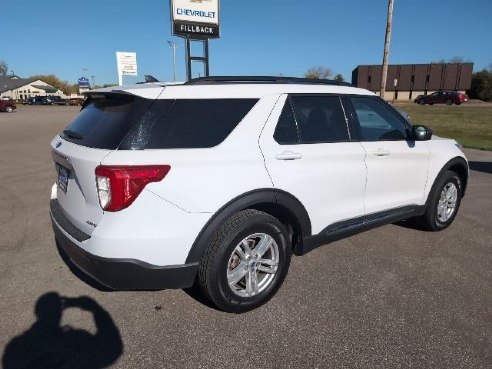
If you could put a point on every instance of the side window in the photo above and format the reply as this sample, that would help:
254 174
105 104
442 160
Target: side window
320 119
286 130
377 122
200 123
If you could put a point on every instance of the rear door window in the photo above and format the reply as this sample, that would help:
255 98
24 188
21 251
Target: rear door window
309 119
286 131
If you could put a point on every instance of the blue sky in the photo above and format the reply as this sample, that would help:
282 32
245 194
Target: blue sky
258 37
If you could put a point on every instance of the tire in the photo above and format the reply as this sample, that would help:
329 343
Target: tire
230 265
9 109
421 102
445 196
449 102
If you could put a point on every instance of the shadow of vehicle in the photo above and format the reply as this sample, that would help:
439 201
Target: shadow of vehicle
481 166
47 344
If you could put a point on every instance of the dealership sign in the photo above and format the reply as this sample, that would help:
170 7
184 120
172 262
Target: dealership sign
127 65
84 82
195 18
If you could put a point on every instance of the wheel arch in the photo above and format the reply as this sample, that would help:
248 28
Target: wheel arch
458 165
282 205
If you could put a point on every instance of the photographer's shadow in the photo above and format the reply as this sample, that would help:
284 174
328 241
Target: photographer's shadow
48 345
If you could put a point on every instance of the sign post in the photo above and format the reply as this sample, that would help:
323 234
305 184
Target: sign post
195 20
127 65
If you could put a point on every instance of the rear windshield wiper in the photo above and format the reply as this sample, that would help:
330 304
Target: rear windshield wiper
72 134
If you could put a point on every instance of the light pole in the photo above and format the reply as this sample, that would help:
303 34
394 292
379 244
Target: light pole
174 46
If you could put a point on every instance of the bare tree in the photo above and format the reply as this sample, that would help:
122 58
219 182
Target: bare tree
318 73
457 59
3 68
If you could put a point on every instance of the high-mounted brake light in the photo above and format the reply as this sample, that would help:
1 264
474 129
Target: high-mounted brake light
119 186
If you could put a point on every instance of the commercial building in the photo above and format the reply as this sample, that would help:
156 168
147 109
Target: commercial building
16 88
407 81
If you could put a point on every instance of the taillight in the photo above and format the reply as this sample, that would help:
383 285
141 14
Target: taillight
119 186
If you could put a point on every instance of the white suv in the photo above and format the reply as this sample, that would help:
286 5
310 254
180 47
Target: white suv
219 180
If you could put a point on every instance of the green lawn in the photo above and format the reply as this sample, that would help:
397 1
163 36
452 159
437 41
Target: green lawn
469 124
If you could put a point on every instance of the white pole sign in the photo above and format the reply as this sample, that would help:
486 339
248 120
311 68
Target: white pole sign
127 65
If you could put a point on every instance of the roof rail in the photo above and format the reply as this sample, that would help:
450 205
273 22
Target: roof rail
262 80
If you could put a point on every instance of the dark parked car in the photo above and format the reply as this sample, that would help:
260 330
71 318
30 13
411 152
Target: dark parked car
57 100
39 100
442 97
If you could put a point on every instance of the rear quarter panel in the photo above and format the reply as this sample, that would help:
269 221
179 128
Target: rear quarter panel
203 180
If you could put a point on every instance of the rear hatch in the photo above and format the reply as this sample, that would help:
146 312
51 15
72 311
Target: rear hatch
103 123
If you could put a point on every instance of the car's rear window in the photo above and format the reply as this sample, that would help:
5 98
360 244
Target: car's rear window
132 123
104 122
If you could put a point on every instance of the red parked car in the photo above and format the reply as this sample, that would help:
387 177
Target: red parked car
442 97
7 106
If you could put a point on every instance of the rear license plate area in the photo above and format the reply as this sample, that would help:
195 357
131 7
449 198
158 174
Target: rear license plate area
62 180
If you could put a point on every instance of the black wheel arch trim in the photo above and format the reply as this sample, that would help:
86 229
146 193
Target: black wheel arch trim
457 162
250 200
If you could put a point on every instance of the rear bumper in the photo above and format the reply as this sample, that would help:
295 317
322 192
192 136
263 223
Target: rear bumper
118 274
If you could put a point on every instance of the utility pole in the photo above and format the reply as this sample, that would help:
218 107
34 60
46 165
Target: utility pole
174 46
387 38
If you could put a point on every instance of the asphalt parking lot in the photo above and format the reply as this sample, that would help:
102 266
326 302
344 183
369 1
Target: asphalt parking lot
392 297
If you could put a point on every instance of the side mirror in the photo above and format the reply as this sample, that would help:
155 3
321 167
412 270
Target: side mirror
421 133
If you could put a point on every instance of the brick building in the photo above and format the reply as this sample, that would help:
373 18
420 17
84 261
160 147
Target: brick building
407 81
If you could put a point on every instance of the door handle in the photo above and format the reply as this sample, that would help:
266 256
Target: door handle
382 152
288 155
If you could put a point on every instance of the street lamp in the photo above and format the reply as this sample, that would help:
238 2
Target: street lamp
174 46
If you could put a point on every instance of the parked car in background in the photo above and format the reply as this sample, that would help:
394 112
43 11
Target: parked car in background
76 101
442 97
7 106
57 100
39 100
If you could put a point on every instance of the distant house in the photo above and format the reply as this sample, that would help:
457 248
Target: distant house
406 81
17 88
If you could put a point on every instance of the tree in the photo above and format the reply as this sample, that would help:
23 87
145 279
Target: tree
454 59
318 73
481 86
457 59
3 68
339 78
